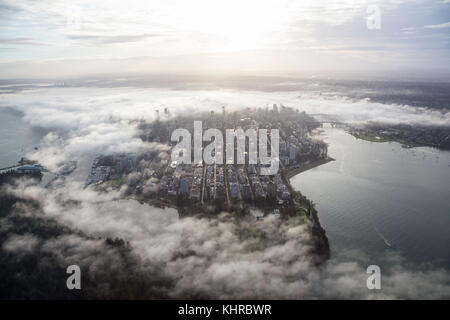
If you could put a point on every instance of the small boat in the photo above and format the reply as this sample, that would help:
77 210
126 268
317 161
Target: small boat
383 237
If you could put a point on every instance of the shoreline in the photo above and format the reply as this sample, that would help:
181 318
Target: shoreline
293 172
321 242
408 138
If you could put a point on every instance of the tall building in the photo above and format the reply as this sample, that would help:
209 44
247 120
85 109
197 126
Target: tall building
272 190
234 190
292 153
184 186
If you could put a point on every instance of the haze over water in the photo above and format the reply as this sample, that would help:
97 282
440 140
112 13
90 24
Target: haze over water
17 137
379 198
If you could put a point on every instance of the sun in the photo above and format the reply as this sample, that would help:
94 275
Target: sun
235 25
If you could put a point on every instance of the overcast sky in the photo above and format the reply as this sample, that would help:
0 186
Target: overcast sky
284 37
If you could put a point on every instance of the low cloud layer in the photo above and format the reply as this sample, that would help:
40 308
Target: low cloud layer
196 257
190 257
219 257
79 108
81 122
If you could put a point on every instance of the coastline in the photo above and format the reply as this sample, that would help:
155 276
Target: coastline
321 242
408 138
321 247
295 171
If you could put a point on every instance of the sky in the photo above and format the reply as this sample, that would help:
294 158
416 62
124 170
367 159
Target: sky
55 39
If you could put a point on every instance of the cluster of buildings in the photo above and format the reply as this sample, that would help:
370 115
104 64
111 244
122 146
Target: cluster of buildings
105 167
222 182
266 187
297 148
238 183
30 168
227 182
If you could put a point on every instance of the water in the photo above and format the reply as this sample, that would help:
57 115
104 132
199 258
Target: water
380 197
16 137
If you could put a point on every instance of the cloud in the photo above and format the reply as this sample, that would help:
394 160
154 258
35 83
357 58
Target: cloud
26 243
221 257
288 33
22 41
347 280
79 122
438 26
78 127
104 39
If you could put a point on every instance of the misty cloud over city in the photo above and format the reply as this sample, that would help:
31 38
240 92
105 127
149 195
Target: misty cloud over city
193 257
202 257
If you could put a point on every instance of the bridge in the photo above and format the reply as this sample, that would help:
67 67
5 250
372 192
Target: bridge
326 118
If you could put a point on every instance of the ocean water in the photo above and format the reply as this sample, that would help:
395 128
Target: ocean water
17 137
378 198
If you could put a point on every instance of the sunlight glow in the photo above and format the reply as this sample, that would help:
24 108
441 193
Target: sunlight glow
236 25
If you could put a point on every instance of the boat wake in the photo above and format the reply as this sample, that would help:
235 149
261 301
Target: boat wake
382 237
